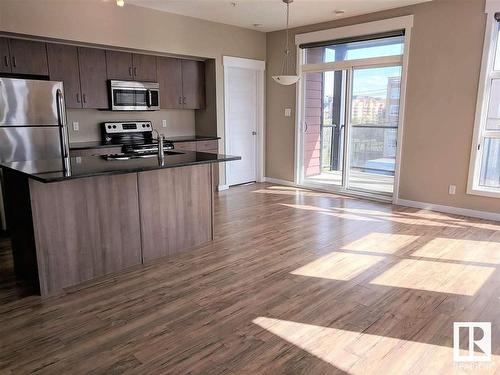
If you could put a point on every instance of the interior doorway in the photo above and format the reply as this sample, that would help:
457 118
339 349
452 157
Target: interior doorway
244 110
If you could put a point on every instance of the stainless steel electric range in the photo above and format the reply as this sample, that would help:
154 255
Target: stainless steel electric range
136 138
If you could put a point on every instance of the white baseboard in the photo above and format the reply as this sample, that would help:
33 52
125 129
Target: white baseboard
449 209
222 187
486 215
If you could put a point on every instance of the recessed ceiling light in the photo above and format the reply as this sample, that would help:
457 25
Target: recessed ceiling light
120 3
339 11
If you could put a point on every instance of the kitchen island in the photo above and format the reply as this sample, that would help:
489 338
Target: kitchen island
94 216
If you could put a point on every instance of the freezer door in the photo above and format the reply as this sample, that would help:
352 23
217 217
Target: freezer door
25 102
30 143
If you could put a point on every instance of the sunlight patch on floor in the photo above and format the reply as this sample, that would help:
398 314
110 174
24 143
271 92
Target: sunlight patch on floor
387 243
338 266
461 250
328 212
439 277
362 353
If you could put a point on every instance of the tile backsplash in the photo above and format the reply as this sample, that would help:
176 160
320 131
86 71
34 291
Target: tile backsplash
179 122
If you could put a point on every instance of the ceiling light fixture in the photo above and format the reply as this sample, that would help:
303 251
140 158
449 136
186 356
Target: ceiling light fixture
120 3
285 78
338 12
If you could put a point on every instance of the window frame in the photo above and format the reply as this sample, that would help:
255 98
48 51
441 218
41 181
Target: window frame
368 28
483 98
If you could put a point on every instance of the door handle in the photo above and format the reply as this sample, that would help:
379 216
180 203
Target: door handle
6 61
135 72
14 61
130 71
254 133
77 98
306 127
84 98
180 100
183 100
148 98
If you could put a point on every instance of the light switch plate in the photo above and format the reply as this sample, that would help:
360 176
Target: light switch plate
288 112
76 126
164 123
452 190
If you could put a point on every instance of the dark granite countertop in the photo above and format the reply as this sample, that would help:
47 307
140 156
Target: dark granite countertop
79 167
100 144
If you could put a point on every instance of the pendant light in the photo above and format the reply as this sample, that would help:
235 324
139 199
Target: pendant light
284 78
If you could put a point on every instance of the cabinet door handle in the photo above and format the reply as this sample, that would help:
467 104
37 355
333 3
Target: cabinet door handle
183 100
135 71
84 98
180 100
130 71
6 61
78 98
14 61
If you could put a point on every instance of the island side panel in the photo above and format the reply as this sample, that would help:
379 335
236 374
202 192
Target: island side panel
176 209
85 228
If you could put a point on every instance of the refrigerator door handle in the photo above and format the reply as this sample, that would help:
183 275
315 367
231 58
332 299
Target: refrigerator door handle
61 116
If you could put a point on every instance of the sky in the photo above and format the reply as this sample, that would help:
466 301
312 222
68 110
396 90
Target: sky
368 81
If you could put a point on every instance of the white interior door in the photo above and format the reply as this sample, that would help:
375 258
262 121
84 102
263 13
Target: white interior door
241 123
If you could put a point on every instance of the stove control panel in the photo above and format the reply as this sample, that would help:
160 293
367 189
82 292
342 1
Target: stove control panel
127 127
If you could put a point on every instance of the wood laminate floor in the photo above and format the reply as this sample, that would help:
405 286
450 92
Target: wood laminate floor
296 282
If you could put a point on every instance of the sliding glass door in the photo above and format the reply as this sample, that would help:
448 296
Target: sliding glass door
350 128
373 129
324 127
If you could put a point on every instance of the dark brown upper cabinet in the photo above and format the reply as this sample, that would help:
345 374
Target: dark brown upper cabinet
193 84
63 66
170 80
182 83
119 65
5 56
28 57
83 73
144 67
93 78
131 66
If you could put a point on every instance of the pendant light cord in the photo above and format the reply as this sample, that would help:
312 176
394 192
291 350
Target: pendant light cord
284 63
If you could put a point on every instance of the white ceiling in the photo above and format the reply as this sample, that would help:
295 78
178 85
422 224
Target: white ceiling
270 14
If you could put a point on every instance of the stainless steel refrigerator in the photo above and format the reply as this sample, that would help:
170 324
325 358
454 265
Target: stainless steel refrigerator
32 122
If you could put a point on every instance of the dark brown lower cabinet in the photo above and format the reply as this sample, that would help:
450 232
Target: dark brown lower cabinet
68 232
176 209
84 228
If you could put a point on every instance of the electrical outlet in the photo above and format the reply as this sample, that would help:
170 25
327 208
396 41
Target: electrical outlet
452 190
288 112
76 126
164 123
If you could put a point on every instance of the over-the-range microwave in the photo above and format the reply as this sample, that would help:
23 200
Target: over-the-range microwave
134 96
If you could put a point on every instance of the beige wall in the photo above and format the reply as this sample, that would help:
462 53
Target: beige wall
179 122
443 75
102 22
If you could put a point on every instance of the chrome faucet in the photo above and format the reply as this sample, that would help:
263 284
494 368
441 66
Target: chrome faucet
161 152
